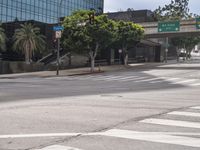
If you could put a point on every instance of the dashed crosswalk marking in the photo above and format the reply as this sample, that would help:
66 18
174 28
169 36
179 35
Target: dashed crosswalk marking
197 107
168 122
58 147
184 81
154 137
181 113
135 79
196 84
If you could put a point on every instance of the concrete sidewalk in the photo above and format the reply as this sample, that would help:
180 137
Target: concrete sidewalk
86 70
70 72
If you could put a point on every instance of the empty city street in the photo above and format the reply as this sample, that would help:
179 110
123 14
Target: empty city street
149 107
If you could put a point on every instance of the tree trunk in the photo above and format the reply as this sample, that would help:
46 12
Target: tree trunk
27 56
93 55
92 64
125 54
126 59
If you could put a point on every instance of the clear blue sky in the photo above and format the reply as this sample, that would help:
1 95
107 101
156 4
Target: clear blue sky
116 5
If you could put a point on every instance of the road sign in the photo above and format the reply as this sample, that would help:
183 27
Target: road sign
58 34
198 23
58 28
171 26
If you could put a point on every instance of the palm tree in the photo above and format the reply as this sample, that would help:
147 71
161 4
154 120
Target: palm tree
2 39
28 39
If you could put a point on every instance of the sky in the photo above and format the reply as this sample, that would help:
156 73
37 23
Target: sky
117 5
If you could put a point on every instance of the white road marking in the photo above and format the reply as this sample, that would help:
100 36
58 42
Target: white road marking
196 84
58 147
105 78
197 107
159 80
152 79
167 122
184 81
172 79
39 135
180 113
133 79
154 137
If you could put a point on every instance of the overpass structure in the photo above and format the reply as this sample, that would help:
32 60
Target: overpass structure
187 27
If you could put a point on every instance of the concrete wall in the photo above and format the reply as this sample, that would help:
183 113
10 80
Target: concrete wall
19 67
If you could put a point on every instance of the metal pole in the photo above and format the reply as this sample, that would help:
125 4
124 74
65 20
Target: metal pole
166 50
58 51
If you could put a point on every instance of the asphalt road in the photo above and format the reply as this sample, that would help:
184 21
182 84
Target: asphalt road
152 108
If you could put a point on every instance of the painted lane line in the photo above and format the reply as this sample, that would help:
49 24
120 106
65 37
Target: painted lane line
152 79
172 79
133 79
159 81
154 137
197 107
167 122
105 78
196 84
58 147
113 78
180 113
39 135
184 81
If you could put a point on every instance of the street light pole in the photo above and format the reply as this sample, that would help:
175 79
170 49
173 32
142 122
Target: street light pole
166 49
58 51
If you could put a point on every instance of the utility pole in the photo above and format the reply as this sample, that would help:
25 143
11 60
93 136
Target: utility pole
58 51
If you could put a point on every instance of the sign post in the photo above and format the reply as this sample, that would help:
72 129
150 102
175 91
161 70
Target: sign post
170 26
58 35
198 23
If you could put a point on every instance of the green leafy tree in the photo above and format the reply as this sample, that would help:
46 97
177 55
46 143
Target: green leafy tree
2 39
186 43
28 39
178 10
127 34
87 34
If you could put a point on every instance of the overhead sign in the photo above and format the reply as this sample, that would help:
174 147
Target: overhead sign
58 34
198 23
58 28
171 26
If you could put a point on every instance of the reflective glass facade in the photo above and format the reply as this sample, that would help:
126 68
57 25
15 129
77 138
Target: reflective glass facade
43 10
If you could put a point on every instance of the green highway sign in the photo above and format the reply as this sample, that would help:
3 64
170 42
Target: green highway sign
170 26
198 23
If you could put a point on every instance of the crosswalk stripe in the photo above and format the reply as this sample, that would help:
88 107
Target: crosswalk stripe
151 79
172 79
58 147
195 84
184 81
180 113
158 81
197 107
133 79
105 78
154 137
167 122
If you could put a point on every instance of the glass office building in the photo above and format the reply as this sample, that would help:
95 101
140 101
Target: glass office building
43 10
